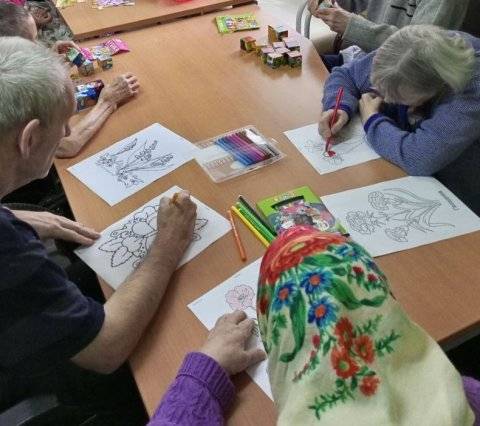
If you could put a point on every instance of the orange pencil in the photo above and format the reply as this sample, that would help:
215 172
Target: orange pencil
238 241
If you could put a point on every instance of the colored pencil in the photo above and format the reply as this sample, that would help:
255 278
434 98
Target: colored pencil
254 222
238 241
334 118
246 204
249 226
235 154
264 152
249 148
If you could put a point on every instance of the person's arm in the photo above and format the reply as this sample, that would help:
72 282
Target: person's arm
439 140
132 306
202 391
369 35
122 88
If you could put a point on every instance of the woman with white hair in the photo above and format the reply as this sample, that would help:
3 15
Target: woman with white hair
419 100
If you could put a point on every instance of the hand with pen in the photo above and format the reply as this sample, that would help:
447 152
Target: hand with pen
324 128
175 223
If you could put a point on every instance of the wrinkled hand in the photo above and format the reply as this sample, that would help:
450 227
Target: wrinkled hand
335 17
122 88
226 343
50 225
62 46
176 222
324 123
368 105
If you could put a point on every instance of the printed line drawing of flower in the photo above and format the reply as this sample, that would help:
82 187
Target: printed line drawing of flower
132 241
128 161
363 222
241 297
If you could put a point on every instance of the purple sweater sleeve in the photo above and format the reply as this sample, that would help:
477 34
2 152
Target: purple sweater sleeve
472 391
200 394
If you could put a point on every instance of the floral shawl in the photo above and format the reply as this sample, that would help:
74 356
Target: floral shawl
341 349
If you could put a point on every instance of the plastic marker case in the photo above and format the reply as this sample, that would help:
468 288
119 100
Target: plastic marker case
235 153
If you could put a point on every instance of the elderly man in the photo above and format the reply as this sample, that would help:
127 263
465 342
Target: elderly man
44 319
17 21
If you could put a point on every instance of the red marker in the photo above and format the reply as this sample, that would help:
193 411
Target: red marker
332 122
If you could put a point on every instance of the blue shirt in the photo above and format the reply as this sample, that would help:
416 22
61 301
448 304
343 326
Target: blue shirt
44 318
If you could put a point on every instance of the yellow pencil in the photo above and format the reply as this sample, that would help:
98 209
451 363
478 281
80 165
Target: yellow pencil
250 226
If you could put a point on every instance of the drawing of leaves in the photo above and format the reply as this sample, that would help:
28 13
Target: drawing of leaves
121 255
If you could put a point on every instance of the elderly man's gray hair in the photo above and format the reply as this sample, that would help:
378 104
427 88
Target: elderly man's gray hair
13 20
425 59
33 84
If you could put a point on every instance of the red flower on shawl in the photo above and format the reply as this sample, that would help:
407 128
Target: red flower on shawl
263 305
364 348
344 366
358 270
316 340
291 247
344 332
372 278
369 385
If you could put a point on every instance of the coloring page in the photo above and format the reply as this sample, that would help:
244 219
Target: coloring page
239 292
352 147
133 163
401 214
123 245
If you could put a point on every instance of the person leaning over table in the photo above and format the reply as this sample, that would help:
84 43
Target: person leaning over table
419 100
45 321
17 21
339 346
382 19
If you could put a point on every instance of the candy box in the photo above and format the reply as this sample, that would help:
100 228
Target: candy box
75 57
294 59
247 44
86 95
259 45
277 33
105 62
292 44
86 68
265 52
115 45
278 44
283 51
274 60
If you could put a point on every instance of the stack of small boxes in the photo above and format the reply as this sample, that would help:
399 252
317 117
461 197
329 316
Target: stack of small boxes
280 49
84 65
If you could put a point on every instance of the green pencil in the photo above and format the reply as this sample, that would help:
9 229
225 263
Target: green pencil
255 223
244 202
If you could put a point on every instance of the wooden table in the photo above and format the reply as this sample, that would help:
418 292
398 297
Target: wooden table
206 87
86 21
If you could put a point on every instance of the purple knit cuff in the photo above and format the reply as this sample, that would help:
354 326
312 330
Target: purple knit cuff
206 370
343 107
370 120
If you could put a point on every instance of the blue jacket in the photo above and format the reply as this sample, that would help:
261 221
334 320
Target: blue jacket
445 143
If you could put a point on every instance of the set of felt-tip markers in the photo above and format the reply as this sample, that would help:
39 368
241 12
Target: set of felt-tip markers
235 153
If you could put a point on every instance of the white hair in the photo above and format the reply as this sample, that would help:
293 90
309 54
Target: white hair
33 84
425 59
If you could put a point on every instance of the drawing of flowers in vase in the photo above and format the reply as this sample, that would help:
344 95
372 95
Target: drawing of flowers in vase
131 160
398 212
131 242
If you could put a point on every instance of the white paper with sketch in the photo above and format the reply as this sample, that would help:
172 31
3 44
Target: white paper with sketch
401 214
123 245
239 292
352 147
133 163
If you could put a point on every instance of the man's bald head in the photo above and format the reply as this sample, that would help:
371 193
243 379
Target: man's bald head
15 21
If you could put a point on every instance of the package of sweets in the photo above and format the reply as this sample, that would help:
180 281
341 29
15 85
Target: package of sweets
115 45
75 57
87 53
86 95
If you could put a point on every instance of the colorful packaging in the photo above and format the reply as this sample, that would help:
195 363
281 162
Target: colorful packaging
86 95
105 62
298 207
247 44
294 59
115 45
277 33
86 68
274 60
75 57
292 44
231 23
265 52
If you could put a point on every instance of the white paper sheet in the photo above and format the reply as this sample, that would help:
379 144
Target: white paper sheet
133 163
352 148
239 292
401 214
124 244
